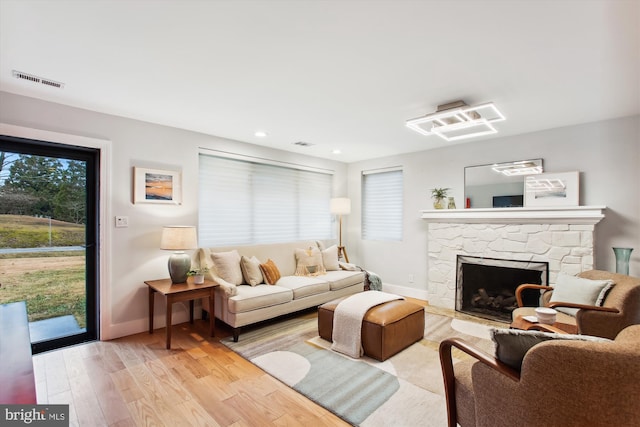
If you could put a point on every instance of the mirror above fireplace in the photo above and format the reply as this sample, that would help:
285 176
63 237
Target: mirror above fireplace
498 185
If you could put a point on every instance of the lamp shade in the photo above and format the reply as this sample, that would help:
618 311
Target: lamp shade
178 238
340 206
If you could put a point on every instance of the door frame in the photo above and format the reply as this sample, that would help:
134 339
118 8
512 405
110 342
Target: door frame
104 194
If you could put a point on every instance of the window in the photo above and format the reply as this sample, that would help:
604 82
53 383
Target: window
244 202
382 205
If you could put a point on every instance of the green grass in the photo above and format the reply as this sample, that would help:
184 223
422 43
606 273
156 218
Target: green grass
21 231
50 288
48 293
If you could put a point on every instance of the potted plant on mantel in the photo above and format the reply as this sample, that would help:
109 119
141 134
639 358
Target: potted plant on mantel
198 275
438 195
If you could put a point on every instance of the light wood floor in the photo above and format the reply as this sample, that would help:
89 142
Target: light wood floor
135 381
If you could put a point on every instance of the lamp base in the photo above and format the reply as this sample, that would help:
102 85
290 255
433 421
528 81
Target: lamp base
179 266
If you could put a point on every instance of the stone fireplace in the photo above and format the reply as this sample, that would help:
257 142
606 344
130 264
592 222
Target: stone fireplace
559 236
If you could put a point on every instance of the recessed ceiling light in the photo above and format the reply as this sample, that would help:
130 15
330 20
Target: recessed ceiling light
336 151
260 134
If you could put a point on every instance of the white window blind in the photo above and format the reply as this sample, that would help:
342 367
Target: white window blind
382 205
243 202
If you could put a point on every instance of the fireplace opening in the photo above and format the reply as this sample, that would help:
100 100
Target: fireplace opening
485 287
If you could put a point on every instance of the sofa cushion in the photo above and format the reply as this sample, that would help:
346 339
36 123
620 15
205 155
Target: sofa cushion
250 298
343 279
579 291
304 286
330 258
270 272
227 265
309 262
251 270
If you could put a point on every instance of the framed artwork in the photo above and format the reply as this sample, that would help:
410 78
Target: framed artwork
552 189
157 186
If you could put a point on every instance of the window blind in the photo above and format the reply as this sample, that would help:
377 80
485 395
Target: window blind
382 199
246 202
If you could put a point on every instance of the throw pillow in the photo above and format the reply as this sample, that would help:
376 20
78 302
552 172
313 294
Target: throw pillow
251 270
309 262
513 344
579 291
270 272
228 266
330 258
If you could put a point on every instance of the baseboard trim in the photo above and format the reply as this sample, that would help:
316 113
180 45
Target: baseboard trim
405 291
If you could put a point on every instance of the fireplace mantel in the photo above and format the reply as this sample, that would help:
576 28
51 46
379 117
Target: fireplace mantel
538 215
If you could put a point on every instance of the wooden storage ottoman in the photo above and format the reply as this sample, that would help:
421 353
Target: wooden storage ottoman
386 328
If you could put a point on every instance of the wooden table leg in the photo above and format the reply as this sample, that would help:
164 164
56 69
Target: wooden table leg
169 309
212 313
151 295
191 311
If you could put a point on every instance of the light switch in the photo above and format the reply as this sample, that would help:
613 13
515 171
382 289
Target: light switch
122 221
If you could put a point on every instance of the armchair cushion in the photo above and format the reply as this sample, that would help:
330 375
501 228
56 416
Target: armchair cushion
580 291
513 344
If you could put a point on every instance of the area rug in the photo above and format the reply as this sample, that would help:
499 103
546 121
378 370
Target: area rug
405 390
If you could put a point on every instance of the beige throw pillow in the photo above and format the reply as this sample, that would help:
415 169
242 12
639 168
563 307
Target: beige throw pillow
309 262
228 266
330 258
251 270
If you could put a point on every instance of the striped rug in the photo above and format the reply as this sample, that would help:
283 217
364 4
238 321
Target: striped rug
405 390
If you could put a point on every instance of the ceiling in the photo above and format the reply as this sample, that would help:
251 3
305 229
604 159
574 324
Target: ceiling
337 74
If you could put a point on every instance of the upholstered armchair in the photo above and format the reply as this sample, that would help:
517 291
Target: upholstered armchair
560 383
620 308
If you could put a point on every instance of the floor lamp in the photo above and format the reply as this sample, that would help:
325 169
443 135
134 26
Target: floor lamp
341 206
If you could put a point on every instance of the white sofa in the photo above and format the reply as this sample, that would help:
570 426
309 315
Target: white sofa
243 304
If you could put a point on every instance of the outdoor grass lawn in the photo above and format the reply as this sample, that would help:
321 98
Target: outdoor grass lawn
22 231
55 288
52 283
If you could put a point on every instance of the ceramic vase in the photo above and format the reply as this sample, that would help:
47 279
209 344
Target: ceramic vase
622 260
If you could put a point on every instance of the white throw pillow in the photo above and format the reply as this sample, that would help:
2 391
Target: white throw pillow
579 291
330 258
251 270
228 266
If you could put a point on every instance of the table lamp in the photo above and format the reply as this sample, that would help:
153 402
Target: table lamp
179 238
341 206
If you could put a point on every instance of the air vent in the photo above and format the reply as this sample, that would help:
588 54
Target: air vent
303 144
36 79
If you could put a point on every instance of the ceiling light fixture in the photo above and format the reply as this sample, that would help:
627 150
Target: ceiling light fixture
545 184
525 167
456 120
336 151
260 134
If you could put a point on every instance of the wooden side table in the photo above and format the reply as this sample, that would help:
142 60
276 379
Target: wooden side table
176 292
525 325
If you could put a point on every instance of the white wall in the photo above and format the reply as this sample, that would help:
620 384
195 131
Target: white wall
134 254
606 153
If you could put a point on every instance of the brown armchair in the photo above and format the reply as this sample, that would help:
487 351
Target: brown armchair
561 383
620 309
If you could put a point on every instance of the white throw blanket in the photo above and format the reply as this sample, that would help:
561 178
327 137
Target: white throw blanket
347 320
